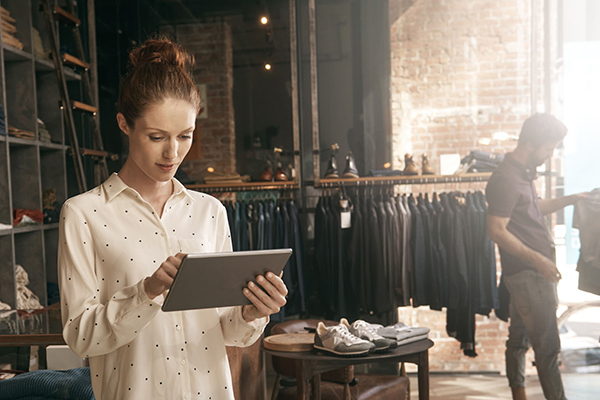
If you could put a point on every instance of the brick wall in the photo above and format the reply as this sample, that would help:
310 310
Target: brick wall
460 72
211 44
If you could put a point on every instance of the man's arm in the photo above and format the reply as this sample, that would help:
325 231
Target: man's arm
498 233
553 205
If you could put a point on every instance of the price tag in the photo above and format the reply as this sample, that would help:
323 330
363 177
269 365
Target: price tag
346 219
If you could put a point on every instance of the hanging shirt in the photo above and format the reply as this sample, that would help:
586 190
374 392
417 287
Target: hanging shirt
111 239
586 216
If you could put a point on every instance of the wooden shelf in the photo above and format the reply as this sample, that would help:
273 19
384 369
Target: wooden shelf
244 186
32 340
405 180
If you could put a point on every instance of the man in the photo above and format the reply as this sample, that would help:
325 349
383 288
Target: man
516 223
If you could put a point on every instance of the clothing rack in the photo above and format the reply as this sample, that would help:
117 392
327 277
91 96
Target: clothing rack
404 180
244 187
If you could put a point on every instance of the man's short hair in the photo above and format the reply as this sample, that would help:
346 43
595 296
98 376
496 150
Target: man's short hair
542 128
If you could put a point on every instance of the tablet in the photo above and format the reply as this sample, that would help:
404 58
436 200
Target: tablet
212 280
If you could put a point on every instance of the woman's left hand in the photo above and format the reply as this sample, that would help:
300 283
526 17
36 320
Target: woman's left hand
264 302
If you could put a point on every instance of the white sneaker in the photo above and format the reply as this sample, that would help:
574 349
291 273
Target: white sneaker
367 331
339 341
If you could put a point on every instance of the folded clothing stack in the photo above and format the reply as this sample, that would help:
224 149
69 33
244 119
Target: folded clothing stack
2 121
402 333
38 47
9 29
43 132
20 133
480 161
22 217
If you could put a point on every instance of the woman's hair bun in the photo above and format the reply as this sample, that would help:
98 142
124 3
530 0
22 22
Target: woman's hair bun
161 49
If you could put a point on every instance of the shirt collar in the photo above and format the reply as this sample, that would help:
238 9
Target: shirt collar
114 186
525 171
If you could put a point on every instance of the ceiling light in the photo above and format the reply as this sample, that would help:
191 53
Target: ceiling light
264 20
210 169
268 67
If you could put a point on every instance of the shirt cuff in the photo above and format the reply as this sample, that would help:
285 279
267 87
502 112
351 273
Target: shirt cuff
144 298
257 324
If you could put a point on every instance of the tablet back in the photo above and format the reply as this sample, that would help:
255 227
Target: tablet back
217 279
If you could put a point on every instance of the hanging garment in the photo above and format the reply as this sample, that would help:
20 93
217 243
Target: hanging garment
587 215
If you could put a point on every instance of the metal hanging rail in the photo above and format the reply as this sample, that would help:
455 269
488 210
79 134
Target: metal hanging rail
244 187
405 180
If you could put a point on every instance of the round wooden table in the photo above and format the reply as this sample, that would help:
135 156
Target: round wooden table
311 364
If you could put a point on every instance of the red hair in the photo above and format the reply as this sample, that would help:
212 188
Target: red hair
157 70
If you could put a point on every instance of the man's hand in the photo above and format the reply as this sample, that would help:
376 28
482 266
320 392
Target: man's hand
582 196
162 278
264 302
548 269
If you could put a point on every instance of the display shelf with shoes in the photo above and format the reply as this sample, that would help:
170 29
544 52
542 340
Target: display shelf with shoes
410 168
427 169
350 171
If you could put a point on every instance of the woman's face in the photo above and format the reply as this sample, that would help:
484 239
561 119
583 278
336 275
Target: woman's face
161 138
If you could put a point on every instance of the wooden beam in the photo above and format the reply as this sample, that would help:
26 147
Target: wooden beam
77 105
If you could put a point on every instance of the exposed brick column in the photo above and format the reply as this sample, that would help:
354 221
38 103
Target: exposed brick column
212 47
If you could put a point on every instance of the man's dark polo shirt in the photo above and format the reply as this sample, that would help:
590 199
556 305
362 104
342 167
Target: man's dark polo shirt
511 194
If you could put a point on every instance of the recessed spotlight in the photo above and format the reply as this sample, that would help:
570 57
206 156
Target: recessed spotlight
268 67
264 20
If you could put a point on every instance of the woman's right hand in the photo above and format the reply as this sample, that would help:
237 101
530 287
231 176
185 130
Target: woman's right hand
162 278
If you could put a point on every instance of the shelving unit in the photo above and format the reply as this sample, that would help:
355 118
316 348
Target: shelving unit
29 91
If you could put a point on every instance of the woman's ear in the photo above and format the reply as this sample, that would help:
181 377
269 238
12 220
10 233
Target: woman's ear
123 123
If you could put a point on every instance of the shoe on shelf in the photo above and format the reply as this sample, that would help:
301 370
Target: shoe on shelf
266 175
427 170
339 341
281 176
409 165
367 331
332 171
350 171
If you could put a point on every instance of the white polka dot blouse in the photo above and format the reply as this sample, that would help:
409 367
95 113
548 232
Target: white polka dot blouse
110 241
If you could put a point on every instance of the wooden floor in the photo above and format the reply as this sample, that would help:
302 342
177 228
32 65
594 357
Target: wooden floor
492 387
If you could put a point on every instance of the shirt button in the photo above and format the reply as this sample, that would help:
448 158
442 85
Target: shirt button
182 362
177 327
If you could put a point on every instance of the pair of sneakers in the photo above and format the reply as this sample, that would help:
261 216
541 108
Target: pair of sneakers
354 339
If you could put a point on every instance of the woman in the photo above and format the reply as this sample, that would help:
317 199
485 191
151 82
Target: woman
122 242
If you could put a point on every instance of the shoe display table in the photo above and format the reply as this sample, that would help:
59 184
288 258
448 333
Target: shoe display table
311 364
